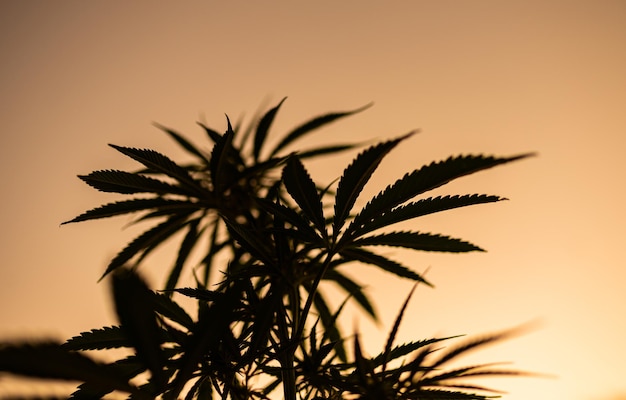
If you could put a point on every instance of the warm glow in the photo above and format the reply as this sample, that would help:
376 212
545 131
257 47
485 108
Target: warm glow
481 76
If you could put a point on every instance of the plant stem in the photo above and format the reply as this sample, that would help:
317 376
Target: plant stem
297 334
286 356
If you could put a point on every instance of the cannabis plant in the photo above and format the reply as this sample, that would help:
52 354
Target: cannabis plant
260 237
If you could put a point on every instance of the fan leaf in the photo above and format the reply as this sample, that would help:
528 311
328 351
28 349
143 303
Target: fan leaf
424 179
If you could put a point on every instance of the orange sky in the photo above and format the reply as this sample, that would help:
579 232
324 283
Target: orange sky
498 77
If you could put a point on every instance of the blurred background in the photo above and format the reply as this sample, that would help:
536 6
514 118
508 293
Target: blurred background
485 76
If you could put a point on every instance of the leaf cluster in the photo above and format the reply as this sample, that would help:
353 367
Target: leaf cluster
268 236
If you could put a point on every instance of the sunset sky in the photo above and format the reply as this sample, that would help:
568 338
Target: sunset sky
495 77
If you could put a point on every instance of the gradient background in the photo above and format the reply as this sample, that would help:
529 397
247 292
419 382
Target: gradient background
498 77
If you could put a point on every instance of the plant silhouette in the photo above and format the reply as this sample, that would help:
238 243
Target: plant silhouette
261 328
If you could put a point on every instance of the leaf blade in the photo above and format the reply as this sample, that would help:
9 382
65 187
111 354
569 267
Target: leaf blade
263 128
418 241
367 257
115 181
417 209
130 206
220 159
183 142
303 190
108 337
312 125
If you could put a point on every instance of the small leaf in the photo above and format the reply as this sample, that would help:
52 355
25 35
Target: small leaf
114 181
417 241
364 368
219 160
312 125
303 190
313 347
263 128
211 133
354 178
405 349
184 143
199 293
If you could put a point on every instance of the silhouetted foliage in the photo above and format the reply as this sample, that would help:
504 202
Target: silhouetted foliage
262 327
